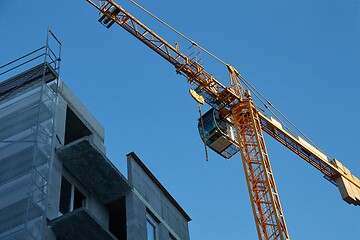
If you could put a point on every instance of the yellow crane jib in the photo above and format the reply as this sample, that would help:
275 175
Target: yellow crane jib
234 124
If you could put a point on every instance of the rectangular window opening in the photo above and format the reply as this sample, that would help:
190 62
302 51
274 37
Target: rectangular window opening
117 218
151 227
151 233
79 199
65 196
74 128
71 197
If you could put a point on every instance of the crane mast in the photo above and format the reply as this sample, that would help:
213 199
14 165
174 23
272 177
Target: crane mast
264 198
236 105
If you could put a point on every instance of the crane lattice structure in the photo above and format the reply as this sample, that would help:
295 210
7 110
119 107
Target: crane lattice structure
241 125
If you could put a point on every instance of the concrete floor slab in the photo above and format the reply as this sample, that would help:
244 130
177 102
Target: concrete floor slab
79 225
94 170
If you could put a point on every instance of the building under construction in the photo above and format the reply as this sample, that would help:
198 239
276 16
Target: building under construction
55 179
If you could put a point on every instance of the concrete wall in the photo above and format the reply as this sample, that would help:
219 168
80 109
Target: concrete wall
56 166
146 198
54 189
96 207
80 110
149 197
135 218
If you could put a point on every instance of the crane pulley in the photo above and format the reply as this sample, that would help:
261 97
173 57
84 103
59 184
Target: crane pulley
239 127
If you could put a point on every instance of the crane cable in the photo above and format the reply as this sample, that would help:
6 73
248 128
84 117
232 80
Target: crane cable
223 62
248 84
177 32
203 132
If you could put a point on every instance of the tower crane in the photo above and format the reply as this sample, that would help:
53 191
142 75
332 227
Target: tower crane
235 124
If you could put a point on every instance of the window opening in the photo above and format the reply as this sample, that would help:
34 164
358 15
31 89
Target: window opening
150 231
70 197
75 128
79 199
65 196
151 226
117 218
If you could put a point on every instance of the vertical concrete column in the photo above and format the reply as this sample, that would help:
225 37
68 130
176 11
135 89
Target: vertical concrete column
135 218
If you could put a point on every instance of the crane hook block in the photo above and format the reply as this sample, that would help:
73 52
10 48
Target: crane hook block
218 133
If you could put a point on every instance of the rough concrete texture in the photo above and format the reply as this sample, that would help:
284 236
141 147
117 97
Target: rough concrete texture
98 209
79 225
94 170
80 110
158 202
60 121
135 218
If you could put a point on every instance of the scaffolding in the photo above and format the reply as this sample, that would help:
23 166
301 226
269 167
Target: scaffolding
28 103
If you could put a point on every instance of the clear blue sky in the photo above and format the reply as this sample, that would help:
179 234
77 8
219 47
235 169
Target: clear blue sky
302 55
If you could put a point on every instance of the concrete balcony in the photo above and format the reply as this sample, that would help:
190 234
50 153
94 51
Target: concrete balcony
79 224
94 170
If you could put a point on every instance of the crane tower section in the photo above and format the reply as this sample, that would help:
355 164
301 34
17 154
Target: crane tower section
264 197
